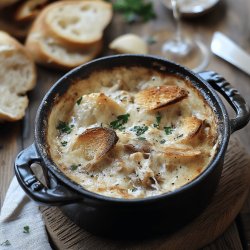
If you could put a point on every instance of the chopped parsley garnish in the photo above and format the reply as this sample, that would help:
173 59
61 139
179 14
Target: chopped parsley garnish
79 101
135 10
139 130
179 136
64 127
5 243
119 122
141 138
162 141
158 120
134 189
26 229
64 143
168 130
74 167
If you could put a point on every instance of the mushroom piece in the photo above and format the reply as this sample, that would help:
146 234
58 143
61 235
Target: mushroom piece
160 97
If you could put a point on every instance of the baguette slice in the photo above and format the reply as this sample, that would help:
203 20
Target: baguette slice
17 76
50 52
78 22
12 106
29 9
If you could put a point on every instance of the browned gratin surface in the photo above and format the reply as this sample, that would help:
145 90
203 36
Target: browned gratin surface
132 133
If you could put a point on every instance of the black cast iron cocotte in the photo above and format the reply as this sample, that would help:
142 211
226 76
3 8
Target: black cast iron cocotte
120 217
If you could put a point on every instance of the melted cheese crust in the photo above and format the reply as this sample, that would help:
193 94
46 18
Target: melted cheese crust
153 155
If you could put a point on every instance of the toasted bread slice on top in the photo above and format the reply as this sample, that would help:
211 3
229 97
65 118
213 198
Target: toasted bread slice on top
160 97
189 127
17 76
79 22
95 143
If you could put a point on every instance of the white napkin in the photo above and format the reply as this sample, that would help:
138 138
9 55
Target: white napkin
19 211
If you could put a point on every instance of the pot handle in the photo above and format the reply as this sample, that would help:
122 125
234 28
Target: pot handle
58 195
232 96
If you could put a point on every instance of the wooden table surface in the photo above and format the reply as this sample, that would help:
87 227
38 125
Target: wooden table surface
230 17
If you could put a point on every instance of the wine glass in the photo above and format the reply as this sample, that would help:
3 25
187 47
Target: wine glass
180 49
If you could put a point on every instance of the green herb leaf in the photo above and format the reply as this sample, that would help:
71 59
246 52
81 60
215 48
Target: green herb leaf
130 17
162 141
64 143
26 229
179 136
135 10
74 167
168 130
63 127
119 122
141 138
79 101
139 130
5 243
134 189
158 120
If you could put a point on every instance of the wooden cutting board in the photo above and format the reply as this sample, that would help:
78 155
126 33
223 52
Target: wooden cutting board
226 204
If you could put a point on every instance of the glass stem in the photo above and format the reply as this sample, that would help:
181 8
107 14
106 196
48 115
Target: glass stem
177 17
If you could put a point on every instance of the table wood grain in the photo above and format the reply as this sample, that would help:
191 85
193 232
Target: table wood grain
230 17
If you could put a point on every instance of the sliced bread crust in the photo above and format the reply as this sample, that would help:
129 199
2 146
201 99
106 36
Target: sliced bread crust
17 76
50 52
78 22
29 9
12 106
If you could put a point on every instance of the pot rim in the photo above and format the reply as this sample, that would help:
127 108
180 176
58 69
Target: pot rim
41 124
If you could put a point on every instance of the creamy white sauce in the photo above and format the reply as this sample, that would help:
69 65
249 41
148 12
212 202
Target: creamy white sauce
122 173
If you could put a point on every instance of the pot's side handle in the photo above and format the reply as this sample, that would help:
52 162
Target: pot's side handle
58 195
232 96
